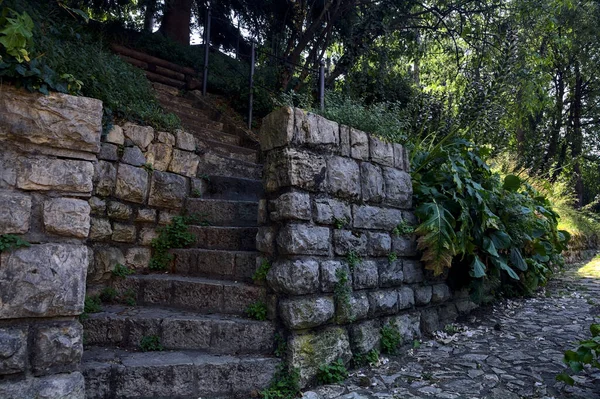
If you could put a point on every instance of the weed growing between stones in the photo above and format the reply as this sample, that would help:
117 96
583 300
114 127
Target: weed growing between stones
150 343
121 270
588 353
390 339
261 273
174 235
342 291
92 304
257 311
149 167
332 373
403 229
284 385
364 359
280 345
9 242
353 259
340 223
108 295
129 297
196 193
392 256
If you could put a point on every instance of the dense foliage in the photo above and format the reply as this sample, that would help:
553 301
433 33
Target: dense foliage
588 353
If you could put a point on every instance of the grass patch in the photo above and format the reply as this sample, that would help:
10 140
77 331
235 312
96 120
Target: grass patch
590 269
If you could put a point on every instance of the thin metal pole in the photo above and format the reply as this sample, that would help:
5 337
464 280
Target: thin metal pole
206 51
251 95
322 85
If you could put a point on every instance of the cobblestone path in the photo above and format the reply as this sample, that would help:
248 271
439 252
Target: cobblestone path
509 351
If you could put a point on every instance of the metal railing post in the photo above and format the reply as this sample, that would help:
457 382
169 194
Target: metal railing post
251 94
206 51
322 85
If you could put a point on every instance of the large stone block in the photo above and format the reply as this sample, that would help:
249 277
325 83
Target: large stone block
381 152
105 178
383 302
15 210
55 174
58 347
372 217
132 184
423 295
408 325
141 136
56 120
265 239
330 270
398 188
306 312
137 258
413 271
97 206
345 141
301 239
356 309
184 163
277 128
185 141
406 298
318 131
165 138
404 245
359 144
8 169
296 277
390 273
430 321
115 135
67 217
331 211
13 350
371 181
133 156
308 352
109 152
293 168
105 260
365 275
118 210
123 233
291 206
380 244
100 229
345 241
159 156
167 190
57 386
365 336
343 177
440 293
43 280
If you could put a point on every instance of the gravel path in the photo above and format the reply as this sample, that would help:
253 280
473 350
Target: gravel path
509 351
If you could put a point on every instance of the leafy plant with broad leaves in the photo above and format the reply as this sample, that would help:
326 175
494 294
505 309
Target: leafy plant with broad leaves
174 235
587 353
8 242
332 373
491 227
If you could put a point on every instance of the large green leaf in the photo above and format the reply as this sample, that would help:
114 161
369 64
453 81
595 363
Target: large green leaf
501 264
477 268
489 247
517 259
500 239
512 183
437 236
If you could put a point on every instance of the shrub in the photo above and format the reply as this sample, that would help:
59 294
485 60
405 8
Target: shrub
150 343
390 339
332 373
588 353
9 242
173 235
121 271
284 385
257 311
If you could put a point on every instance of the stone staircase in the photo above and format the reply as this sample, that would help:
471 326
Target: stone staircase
197 310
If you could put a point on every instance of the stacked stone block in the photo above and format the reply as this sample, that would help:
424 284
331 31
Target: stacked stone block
141 181
334 196
48 147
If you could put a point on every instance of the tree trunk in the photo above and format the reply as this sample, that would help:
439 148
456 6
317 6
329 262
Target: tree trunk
557 122
577 139
149 12
176 20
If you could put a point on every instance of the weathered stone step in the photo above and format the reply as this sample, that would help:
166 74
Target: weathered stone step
212 163
219 212
225 238
229 265
191 293
199 122
187 109
219 334
231 151
170 95
214 135
225 187
114 373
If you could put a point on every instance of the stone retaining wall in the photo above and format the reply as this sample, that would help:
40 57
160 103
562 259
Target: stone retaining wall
48 147
334 197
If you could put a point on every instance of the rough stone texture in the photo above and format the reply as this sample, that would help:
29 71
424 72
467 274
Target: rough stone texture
381 152
343 177
300 313
58 386
329 274
109 152
319 131
265 240
146 215
277 129
345 140
423 295
165 138
330 211
55 174
57 120
185 141
57 347
105 260
137 258
290 206
43 281
133 156
441 293
105 178
67 217
359 144
147 234
293 168
159 156
406 298
118 210
13 350
365 275
294 277
116 136
371 181
15 211
404 245
391 273
383 302
304 240
141 136
123 233
97 206
345 241
380 244
430 321
309 351
132 184
398 188
358 309
100 229
413 271
184 163
372 217
365 336
167 190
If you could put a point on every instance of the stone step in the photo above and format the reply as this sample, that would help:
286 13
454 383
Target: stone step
125 326
187 109
219 212
213 135
228 150
225 187
212 163
225 238
114 373
227 265
199 122
197 294
171 96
